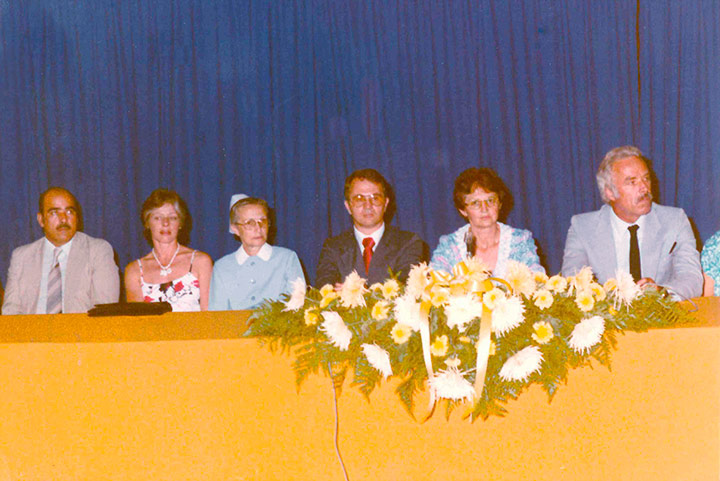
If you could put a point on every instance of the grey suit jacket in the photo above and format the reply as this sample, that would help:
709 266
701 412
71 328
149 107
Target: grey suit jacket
397 250
91 276
668 253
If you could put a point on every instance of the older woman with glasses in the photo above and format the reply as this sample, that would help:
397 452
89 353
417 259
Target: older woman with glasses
170 272
481 197
256 271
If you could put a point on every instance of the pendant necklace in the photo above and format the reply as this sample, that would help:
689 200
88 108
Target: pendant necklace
165 270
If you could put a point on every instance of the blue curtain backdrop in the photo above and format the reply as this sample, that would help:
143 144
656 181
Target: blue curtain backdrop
283 99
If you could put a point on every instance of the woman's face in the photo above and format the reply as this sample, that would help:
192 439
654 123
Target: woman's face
164 224
481 208
251 226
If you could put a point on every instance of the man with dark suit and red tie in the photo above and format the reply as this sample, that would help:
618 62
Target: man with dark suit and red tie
371 247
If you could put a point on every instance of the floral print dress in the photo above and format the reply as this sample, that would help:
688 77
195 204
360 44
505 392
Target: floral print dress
183 293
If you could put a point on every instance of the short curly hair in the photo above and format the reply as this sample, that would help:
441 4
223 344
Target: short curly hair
486 179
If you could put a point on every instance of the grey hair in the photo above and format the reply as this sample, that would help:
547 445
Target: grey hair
604 173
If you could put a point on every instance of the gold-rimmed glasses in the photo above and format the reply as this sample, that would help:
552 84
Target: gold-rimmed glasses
251 224
489 203
374 199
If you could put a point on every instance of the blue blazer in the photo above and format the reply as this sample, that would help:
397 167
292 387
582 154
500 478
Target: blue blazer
668 253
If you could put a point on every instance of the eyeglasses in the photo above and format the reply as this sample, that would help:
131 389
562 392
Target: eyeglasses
489 203
361 199
251 224
161 219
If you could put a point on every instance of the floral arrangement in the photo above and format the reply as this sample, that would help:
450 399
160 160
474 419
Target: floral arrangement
466 337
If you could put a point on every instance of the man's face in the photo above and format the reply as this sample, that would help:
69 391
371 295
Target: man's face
631 178
366 205
58 218
251 226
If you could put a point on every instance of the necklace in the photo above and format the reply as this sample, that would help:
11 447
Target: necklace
165 270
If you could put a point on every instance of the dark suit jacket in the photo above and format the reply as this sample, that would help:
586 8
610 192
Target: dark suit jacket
397 250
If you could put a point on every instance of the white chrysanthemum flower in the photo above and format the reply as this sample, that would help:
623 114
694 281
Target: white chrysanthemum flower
451 384
586 334
521 278
417 280
378 358
353 290
507 315
460 310
297 298
626 290
336 330
522 364
407 312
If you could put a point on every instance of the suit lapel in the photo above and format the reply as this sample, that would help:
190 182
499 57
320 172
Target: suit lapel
35 273
381 257
73 270
602 245
651 245
348 254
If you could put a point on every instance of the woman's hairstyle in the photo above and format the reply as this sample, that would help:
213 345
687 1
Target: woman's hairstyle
248 201
158 198
486 179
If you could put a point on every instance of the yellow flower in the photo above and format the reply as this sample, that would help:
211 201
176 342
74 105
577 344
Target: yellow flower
376 287
543 332
597 291
328 295
390 289
582 279
491 297
439 295
540 277
585 301
400 333
520 278
543 298
453 362
557 283
464 339
612 310
380 310
352 290
311 317
610 285
493 348
439 346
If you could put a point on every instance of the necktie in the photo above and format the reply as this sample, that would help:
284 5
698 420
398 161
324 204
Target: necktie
54 287
634 253
368 244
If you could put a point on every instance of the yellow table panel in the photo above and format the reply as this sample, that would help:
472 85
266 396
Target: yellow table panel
183 397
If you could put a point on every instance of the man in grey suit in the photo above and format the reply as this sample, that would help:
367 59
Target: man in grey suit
66 270
654 243
372 246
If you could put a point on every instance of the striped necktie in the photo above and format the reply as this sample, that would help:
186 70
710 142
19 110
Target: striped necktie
54 287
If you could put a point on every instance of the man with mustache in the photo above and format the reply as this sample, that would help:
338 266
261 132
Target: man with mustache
66 270
654 243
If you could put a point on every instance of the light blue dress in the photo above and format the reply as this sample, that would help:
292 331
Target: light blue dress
710 259
236 287
515 244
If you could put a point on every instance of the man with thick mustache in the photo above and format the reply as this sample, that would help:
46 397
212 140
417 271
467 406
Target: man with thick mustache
653 242
66 270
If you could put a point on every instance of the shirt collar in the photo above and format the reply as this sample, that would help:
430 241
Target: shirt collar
64 249
264 253
376 236
621 227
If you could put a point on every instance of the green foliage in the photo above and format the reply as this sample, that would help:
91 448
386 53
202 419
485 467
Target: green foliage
317 347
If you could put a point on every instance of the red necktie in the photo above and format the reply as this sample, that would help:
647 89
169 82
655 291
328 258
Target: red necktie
368 244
